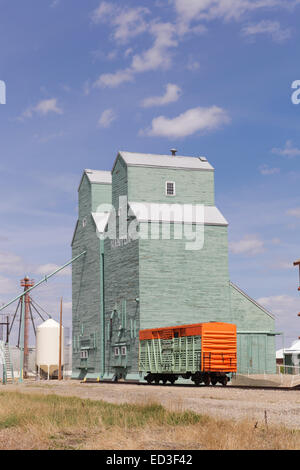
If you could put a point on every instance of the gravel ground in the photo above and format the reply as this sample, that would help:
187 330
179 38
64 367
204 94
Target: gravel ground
282 407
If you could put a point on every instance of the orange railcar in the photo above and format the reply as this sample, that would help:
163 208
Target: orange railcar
204 352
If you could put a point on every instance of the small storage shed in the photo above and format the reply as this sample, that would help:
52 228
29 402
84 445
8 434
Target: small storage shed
292 358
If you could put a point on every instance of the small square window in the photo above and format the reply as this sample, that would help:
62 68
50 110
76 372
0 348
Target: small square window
84 354
170 188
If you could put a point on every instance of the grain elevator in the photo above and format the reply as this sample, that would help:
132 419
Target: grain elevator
156 256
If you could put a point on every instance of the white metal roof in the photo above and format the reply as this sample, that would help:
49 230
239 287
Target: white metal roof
177 213
97 177
164 161
279 354
295 348
100 219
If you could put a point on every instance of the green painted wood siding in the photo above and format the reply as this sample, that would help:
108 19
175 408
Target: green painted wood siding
192 187
121 268
179 286
101 194
256 352
86 299
84 198
248 315
119 182
86 282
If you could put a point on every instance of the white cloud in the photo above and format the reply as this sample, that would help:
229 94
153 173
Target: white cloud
294 212
49 268
265 170
158 56
223 9
113 80
7 286
103 10
107 118
273 28
282 265
47 106
288 150
249 245
48 137
171 95
231 10
281 304
285 308
188 123
127 22
10 263
43 108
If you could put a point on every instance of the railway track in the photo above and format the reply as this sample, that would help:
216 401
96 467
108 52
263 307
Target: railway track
228 387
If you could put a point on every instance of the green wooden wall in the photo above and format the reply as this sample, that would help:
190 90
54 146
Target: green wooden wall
256 339
178 286
192 187
86 283
122 322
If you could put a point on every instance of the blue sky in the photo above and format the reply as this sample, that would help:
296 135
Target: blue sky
86 79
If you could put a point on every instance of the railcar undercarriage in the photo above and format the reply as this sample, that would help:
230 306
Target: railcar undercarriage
208 378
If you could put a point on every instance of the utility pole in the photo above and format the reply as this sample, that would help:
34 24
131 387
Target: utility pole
60 338
297 263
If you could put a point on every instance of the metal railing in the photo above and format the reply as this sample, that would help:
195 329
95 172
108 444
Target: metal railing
291 370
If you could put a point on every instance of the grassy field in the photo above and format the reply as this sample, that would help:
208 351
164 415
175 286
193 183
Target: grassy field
36 421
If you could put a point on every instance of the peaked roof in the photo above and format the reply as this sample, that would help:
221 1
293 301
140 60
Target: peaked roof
97 177
251 300
294 348
164 161
177 213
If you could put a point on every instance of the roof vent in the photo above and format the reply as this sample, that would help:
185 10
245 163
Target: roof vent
173 152
203 159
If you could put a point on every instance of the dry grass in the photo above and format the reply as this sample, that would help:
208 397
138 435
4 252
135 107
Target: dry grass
36 421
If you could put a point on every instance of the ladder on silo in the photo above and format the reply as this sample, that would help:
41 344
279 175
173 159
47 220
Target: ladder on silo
8 370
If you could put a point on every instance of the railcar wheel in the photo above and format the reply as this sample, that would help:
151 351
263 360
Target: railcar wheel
214 381
149 380
225 381
206 381
165 381
197 383
172 380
